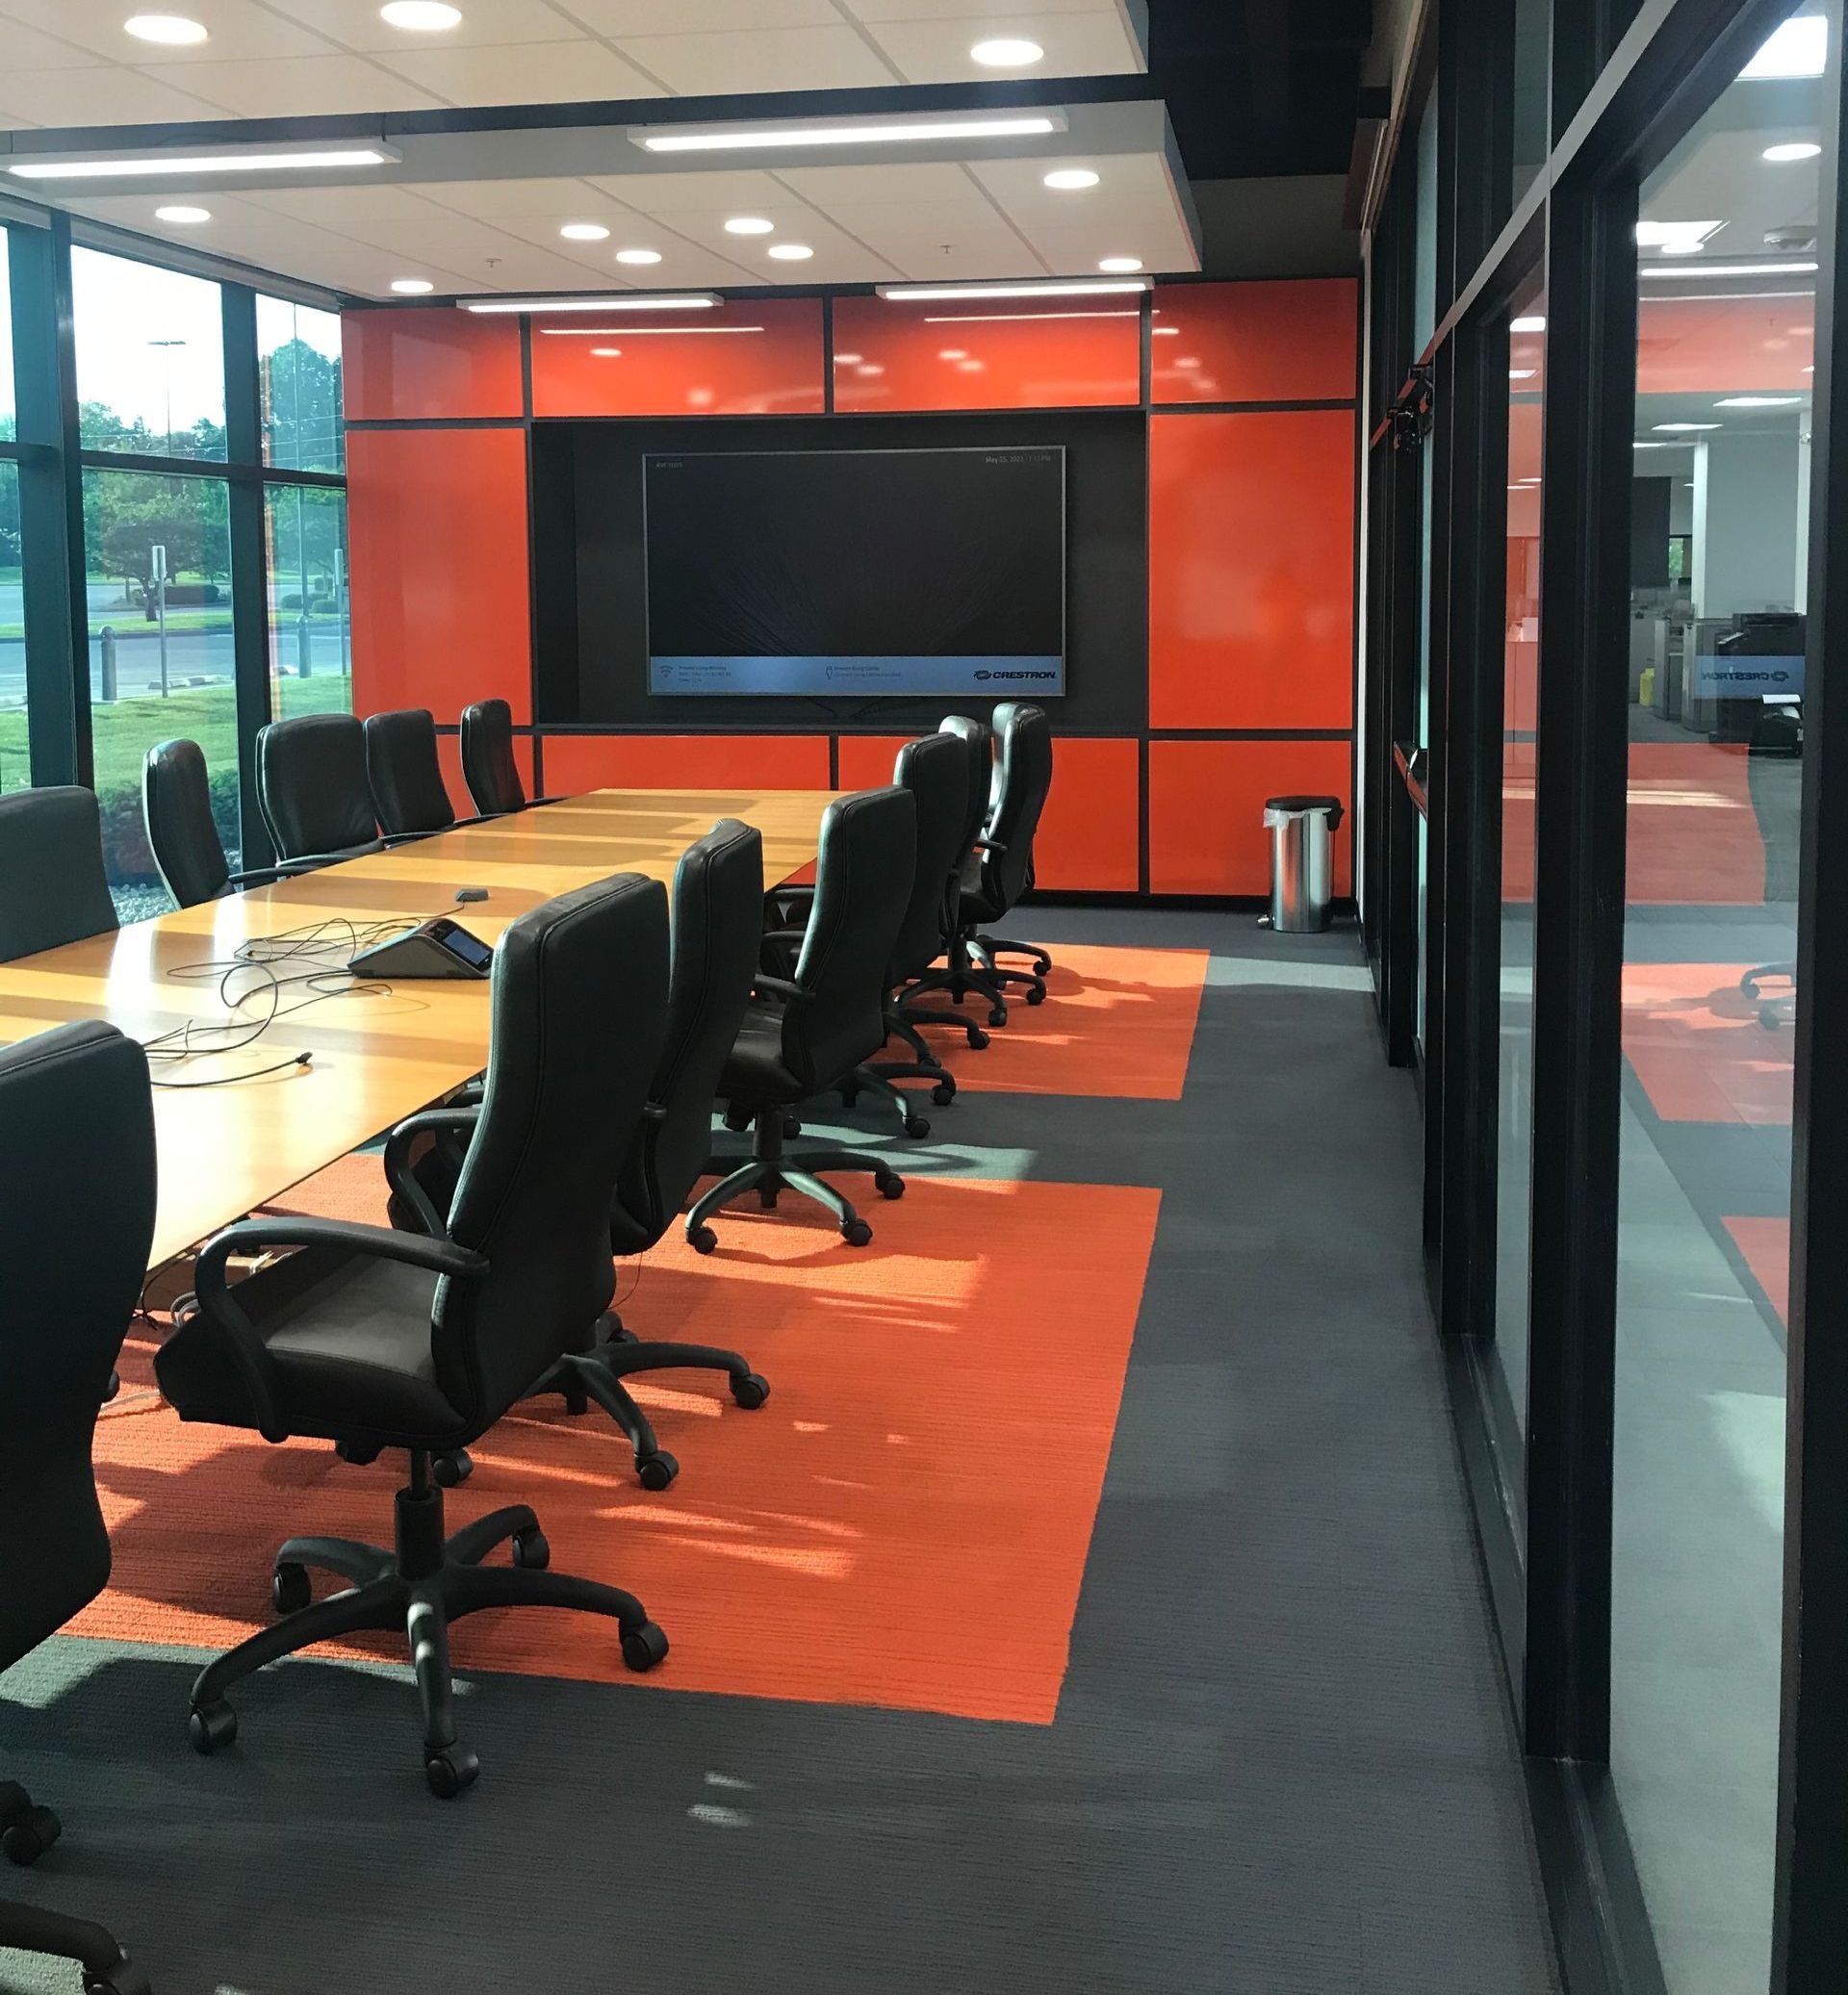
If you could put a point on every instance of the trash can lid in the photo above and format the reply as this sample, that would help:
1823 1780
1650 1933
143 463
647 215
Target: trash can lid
1298 806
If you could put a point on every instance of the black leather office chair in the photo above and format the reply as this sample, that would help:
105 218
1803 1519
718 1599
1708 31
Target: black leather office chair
1022 781
962 975
405 773
718 901
176 807
74 1237
313 791
53 884
376 1339
804 1035
488 766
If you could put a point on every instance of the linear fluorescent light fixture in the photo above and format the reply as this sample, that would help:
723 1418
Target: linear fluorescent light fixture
795 134
170 165
619 301
635 332
1046 288
1706 269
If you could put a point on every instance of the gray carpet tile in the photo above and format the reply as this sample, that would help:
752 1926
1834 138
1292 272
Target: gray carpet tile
1282 1761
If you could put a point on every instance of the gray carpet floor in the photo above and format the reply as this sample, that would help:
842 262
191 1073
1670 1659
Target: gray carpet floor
1282 1761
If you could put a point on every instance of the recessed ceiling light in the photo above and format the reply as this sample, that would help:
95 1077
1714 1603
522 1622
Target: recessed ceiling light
607 352
1787 155
1070 179
1758 401
791 252
170 30
860 131
1687 426
421 16
412 287
638 256
968 367
1120 266
1167 332
1187 360
869 367
1532 324
584 232
1799 47
848 359
1007 52
605 301
143 163
748 225
954 353
183 214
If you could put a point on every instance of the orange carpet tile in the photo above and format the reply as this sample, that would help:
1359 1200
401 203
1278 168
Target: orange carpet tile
1765 1245
904 1524
1115 1022
1697 1045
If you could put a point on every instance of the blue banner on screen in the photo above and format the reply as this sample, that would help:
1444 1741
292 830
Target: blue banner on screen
839 679
853 574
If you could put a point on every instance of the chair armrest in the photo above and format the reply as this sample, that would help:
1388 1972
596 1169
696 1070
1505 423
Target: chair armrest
986 844
780 986
261 876
217 1301
400 1175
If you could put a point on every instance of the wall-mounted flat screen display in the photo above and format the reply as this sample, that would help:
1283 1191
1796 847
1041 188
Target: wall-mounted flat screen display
857 573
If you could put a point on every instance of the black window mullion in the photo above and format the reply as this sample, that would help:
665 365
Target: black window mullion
249 566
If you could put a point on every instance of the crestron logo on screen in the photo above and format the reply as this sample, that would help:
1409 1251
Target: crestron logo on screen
1009 676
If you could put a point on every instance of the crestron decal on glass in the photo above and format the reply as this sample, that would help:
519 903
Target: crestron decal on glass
857 573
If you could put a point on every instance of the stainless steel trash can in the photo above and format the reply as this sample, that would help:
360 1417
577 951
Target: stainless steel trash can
1302 861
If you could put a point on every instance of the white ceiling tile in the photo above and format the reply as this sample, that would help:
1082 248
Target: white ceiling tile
240 33
99 96
355 24
1096 44
979 12
736 191
892 181
750 59
618 18
532 72
1129 183
342 207
306 87
1161 243
85 22
26 48
568 199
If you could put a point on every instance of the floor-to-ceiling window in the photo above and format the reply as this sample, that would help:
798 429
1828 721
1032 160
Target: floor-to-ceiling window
16 763
1727 268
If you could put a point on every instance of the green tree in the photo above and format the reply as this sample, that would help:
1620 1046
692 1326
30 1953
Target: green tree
301 411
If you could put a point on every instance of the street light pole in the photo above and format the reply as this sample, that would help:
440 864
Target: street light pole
167 369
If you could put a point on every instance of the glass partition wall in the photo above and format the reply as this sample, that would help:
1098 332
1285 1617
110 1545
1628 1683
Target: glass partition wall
1620 1019
208 419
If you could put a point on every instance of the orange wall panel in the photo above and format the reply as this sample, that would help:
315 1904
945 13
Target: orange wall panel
986 356
1290 341
1206 832
437 525
1250 569
449 748
1090 836
866 760
749 357
578 762
428 365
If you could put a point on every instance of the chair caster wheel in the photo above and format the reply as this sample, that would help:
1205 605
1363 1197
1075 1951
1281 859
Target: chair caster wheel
736 1121
1036 994
849 1096
123 1978
576 1399
290 1589
530 1552
917 1125
943 1094
792 1129
702 1239
997 1016
453 1467
643 1648
978 1038
451 1771
657 1472
856 1232
211 1726
28 1836
890 1185
751 1391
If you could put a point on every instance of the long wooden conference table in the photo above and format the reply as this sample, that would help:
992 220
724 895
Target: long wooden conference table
378 1055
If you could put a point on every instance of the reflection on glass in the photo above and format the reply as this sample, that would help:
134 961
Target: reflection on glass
1718 566
157 578
1519 708
311 667
15 769
298 360
7 412
150 358
1532 75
